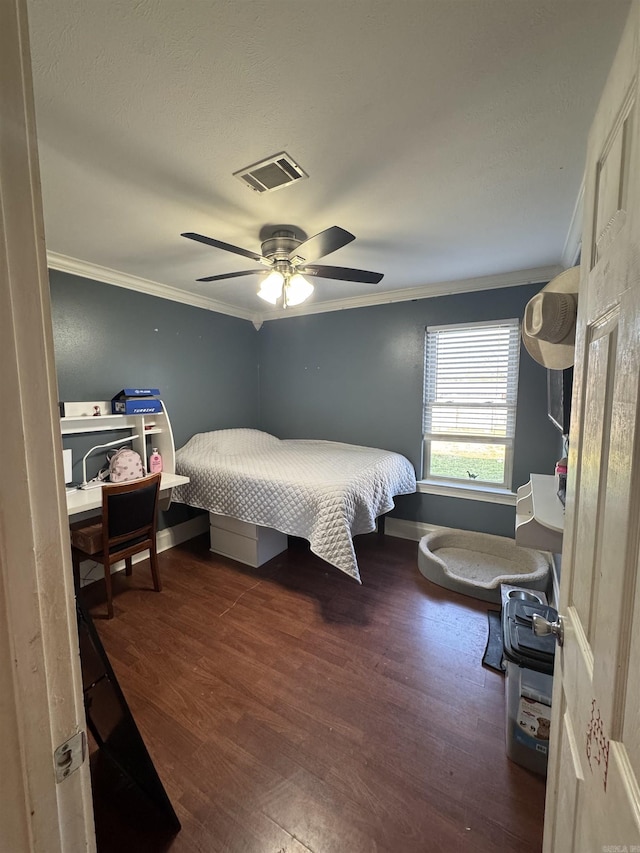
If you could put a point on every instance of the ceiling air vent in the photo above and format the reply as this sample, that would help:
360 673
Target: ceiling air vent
272 174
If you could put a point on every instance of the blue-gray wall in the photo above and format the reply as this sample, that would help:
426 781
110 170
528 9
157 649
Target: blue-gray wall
107 338
353 375
357 376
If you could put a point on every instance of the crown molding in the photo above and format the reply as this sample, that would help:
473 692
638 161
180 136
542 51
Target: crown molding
573 243
84 269
427 291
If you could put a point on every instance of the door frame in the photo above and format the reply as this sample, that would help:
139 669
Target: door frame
41 698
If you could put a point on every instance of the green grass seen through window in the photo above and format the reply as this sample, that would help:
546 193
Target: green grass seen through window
461 462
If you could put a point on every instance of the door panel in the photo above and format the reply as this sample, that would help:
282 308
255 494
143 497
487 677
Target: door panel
612 182
596 419
593 798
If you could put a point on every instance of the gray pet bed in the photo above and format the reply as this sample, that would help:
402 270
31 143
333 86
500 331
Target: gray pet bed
477 563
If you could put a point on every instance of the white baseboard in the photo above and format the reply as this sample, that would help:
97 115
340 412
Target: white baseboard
403 529
414 530
172 536
91 571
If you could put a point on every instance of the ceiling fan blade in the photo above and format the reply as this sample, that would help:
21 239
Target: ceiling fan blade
233 275
321 244
218 244
342 274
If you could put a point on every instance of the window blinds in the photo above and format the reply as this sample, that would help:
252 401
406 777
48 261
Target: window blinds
471 381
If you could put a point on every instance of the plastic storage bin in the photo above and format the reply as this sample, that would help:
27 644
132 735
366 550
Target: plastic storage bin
528 684
528 695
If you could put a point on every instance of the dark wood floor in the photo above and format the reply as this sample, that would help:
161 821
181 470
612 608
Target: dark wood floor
288 709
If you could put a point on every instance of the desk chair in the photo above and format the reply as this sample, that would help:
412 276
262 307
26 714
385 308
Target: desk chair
128 526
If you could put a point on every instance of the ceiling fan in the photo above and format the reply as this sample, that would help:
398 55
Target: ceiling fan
287 259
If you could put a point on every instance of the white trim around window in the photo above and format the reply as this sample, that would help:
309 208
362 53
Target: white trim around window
466 491
470 397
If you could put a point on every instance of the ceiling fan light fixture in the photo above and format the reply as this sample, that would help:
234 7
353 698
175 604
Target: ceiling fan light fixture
271 289
297 289
286 257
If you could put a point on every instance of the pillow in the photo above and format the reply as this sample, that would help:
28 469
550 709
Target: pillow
231 441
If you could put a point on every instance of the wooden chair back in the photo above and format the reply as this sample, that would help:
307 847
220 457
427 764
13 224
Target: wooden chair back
128 526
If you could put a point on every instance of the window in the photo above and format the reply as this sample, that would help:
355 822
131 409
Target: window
470 395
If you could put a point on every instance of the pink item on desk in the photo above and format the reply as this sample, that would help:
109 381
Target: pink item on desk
155 462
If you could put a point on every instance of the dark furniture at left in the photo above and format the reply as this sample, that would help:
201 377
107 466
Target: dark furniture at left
128 526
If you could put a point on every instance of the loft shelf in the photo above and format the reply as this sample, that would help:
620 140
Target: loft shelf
81 423
75 426
159 427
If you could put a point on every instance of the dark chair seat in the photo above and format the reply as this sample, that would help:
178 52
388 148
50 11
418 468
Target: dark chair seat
128 526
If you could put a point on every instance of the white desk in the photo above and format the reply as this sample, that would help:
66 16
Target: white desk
540 514
83 500
151 430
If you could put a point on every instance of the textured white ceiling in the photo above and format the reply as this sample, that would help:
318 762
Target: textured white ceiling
448 135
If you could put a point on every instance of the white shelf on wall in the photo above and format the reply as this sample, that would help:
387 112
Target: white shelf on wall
540 514
160 429
74 426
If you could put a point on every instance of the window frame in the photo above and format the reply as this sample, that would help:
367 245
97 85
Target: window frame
444 483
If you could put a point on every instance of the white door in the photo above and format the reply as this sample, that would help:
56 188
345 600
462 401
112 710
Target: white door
41 705
593 798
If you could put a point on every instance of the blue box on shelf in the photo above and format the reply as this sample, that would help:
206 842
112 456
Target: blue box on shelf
136 401
137 392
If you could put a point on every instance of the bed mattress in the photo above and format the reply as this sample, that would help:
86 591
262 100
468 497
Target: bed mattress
324 491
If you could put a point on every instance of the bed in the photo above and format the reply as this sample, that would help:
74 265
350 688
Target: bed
323 491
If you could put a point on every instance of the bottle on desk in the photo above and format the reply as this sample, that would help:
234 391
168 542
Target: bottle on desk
561 478
155 462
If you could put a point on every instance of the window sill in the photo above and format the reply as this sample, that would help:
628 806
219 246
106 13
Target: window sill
467 492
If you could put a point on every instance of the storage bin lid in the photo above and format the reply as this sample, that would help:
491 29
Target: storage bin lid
521 645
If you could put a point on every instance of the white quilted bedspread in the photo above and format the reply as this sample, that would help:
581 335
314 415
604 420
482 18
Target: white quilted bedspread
323 491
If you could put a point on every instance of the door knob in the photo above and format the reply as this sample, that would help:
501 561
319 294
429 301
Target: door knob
542 627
